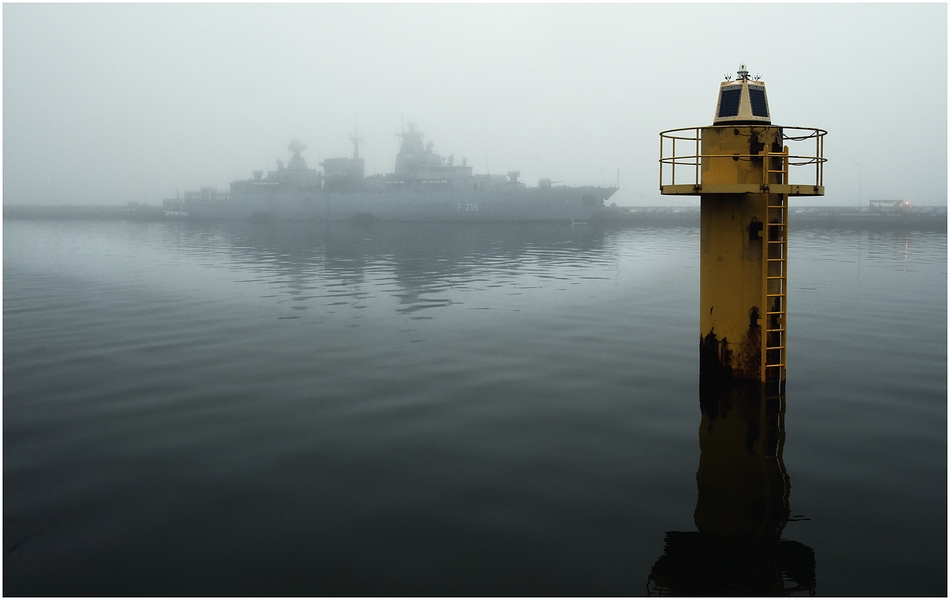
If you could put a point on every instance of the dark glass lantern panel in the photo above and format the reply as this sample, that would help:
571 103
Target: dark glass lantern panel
729 102
759 106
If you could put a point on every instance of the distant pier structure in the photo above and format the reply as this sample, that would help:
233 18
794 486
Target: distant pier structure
739 166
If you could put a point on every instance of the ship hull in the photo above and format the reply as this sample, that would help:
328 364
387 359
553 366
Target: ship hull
554 204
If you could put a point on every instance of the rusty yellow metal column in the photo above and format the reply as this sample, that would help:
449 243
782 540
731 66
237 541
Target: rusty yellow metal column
744 187
733 252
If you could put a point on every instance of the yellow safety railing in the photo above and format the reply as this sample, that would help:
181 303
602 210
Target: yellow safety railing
681 155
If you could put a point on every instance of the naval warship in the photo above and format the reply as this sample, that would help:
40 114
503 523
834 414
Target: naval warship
423 187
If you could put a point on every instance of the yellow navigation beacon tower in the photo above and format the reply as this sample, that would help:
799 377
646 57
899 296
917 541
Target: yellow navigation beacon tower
739 167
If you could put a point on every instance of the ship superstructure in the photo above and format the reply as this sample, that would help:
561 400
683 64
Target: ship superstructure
424 186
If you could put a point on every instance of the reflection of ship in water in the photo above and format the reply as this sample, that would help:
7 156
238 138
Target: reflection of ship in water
412 262
742 507
423 187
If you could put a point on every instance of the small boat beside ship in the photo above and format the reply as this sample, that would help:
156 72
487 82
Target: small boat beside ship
424 186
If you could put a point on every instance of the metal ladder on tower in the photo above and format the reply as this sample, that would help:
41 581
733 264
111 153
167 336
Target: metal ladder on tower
775 267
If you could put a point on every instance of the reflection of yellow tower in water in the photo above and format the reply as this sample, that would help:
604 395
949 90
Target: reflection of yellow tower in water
742 506
739 167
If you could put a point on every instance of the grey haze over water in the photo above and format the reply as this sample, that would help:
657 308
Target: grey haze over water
423 409
297 408
111 103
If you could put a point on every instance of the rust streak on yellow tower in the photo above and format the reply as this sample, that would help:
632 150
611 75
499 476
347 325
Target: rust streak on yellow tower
739 167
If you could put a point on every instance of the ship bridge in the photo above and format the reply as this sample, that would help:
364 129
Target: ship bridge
416 161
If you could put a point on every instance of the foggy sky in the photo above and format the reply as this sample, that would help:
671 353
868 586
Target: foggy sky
111 103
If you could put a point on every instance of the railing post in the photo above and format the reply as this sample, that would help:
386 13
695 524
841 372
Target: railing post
674 162
786 179
697 159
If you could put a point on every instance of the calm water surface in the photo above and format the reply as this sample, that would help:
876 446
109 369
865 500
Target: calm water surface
286 409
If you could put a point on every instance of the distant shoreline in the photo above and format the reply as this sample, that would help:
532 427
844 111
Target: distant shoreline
143 212
924 218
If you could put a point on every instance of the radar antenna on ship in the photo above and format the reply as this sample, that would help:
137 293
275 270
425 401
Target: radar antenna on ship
296 146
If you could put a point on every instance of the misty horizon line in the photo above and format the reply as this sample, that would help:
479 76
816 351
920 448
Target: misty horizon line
618 205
